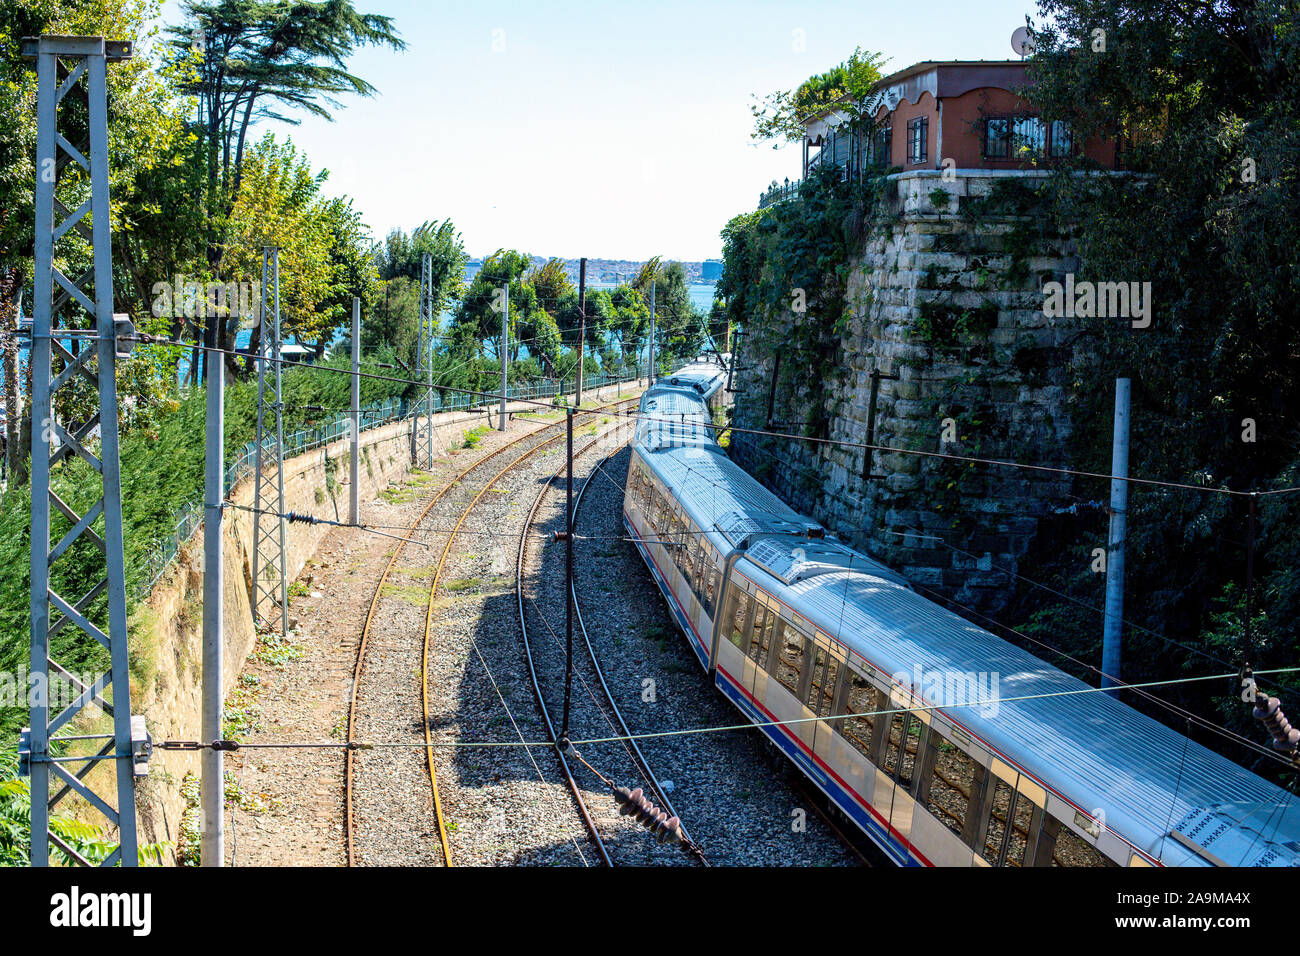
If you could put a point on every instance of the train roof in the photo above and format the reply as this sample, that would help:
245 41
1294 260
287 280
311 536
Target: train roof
707 378
673 416
724 499
1095 751
1090 748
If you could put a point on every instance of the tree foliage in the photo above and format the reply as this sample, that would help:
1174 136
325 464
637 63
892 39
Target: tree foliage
1207 100
779 117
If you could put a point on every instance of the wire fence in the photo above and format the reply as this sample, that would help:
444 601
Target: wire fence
190 517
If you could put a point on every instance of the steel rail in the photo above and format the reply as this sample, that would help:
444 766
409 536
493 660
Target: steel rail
532 667
349 773
637 755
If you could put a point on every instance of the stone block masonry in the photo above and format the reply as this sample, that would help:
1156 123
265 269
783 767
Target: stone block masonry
948 308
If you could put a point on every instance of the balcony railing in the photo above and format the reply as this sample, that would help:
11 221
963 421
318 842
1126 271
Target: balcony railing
778 192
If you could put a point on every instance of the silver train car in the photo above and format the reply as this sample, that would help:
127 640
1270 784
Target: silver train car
945 744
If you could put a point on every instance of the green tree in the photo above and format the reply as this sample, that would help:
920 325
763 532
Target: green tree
268 59
1205 99
779 117
145 126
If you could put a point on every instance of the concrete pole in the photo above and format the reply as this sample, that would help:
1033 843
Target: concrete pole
505 355
213 695
582 325
1112 635
650 374
356 412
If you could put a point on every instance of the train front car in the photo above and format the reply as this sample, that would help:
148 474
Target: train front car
945 744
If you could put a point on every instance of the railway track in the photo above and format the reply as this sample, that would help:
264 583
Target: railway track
500 805
531 443
604 702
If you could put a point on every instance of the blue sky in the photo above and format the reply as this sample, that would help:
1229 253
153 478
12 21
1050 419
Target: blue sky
605 129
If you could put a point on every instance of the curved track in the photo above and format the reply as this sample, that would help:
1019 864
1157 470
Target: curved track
349 774
660 793
608 705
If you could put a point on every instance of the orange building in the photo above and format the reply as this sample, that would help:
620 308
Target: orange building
966 112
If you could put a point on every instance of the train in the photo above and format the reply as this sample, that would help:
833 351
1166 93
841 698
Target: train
945 744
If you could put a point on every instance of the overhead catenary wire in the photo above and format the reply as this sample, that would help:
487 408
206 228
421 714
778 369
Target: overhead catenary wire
693 731
887 449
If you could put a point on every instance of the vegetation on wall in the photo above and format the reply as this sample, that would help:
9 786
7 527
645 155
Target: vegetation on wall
785 282
779 117
1207 99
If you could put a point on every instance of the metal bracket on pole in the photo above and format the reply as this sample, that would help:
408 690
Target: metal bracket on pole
270 583
77 67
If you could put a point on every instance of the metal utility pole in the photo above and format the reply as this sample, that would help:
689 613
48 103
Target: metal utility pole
650 375
212 762
63 64
582 328
1112 635
568 571
355 487
422 437
505 353
270 533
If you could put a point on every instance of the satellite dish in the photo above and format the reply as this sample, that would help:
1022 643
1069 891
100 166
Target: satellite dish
1021 43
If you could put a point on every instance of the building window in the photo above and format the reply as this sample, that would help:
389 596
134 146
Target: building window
881 139
1029 136
1062 141
997 138
916 134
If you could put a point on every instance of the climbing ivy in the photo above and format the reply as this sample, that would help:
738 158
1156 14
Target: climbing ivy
785 281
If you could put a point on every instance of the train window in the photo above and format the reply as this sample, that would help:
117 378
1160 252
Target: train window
859 701
1022 822
761 637
902 747
737 619
821 689
698 564
761 617
1072 850
665 523
711 581
773 635
996 832
791 658
951 786
653 509
683 549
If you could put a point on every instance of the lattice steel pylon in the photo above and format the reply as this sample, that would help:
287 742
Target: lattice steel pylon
422 422
62 63
270 582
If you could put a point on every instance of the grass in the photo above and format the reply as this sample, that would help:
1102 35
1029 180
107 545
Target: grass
414 594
